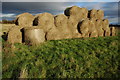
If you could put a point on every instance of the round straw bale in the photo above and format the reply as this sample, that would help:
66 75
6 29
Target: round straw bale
84 13
61 23
53 34
93 13
33 35
100 14
84 28
97 14
92 29
99 27
73 26
46 20
14 35
112 31
25 20
76 12
105 25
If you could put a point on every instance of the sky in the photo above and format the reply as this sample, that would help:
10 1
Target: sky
11 8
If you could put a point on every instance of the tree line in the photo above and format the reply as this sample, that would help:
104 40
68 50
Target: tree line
7 21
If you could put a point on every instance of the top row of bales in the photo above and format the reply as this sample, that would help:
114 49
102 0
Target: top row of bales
77 22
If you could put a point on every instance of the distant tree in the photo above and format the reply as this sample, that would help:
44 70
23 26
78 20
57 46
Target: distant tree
8 22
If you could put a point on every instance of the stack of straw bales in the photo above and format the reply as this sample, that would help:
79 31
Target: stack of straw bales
75 15
77 22
24 20
88 28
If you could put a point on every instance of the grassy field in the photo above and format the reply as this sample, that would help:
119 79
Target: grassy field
70 58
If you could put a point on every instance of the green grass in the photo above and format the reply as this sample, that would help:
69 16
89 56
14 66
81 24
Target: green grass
69 58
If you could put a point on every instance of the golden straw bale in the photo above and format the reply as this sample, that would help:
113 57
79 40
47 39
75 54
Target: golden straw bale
24 20
97 14
100 14
105 26
14 35
112 31
92 29
44 21
84 28
33 35
99 27
61 23
53 34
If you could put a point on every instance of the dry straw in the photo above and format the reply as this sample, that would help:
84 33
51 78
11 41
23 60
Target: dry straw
33 35
61 23
75 15
24 20
14 35
99 27
112 31
97 14
44 21
53 34
84 28
92 29
105 25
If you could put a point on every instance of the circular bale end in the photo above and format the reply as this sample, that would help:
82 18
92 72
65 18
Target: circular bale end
92 13
100 14
46 20
33 36
24 19
14 35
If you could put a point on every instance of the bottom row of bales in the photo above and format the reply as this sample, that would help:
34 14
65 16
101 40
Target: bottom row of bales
35 35
95 28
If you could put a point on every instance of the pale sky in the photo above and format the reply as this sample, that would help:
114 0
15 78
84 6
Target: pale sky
11 8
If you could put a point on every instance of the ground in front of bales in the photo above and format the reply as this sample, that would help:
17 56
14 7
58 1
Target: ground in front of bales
69 58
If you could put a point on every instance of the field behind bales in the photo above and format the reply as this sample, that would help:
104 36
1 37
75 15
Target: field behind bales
68 58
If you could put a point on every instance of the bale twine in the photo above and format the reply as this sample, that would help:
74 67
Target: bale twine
98 26
105 26
33 35
84 28
92 29
61 23
112 31
44 21
14 35
24 20
53 34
